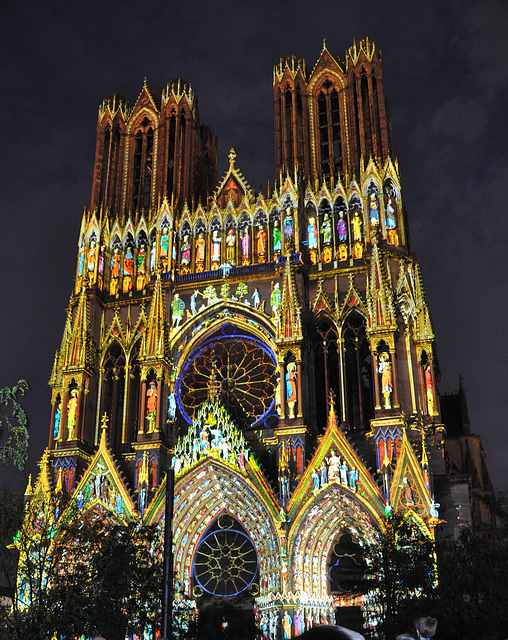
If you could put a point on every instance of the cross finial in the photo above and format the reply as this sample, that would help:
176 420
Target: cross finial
104 421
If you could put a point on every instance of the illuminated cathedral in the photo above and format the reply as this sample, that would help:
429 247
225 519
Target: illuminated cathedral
275 349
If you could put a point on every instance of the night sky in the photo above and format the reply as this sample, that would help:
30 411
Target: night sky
446 79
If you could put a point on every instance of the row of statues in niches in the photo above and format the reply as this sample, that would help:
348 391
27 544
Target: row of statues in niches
340 234
330 234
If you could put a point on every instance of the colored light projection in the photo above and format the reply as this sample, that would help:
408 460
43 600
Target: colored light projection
225 563
212 433
235 368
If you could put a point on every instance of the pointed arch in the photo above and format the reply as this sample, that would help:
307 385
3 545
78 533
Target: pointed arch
113 389
326 363
358 374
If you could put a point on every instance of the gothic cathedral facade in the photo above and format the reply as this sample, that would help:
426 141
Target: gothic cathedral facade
275 349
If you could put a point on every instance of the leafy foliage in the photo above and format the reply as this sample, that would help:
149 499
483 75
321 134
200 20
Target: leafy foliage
85 577
403 572
13 426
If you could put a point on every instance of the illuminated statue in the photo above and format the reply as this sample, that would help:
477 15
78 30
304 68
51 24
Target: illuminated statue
342 227
278 396
385 369
353 478
333 465
316 478
152 258
291 390
115 271
81 261
151 406
245 246
164 251
56 425
343 472
373 210
408 492
194 302
430 389
390 215
141 268
357 227
230 245
216 241
200 248
277 239
128 270
326 230
171 407
275 300
100 267
312 233
178 309
256 298
288 225
286 625
72 410
90 264
324 473
261 242
185 250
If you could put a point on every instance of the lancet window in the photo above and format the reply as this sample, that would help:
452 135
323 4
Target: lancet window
327 368
171 141
330 142
359 394
142 166
113 391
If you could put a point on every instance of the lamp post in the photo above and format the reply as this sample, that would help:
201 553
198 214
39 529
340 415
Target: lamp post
167 577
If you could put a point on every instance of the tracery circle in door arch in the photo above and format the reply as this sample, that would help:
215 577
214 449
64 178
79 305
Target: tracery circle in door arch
225 563
239 368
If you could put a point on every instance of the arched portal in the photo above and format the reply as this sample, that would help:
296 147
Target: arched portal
315 534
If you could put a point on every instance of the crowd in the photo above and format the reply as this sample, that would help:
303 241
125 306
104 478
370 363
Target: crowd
425 629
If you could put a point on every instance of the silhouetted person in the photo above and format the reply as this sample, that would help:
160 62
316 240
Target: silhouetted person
425 627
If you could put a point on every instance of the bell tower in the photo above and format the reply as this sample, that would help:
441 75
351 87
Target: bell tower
331 120
147 153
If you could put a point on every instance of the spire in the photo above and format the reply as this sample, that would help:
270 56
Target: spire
155 339
379 296
79 352
289 328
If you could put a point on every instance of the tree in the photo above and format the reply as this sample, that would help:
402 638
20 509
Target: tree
401 572
11 517
472 591
14 434
84 575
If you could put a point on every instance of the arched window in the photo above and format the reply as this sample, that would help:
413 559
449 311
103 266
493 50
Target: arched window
142 166
170 172
134 381
113 390
288 127
367 121
106 149
358 373
326 372
330 137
